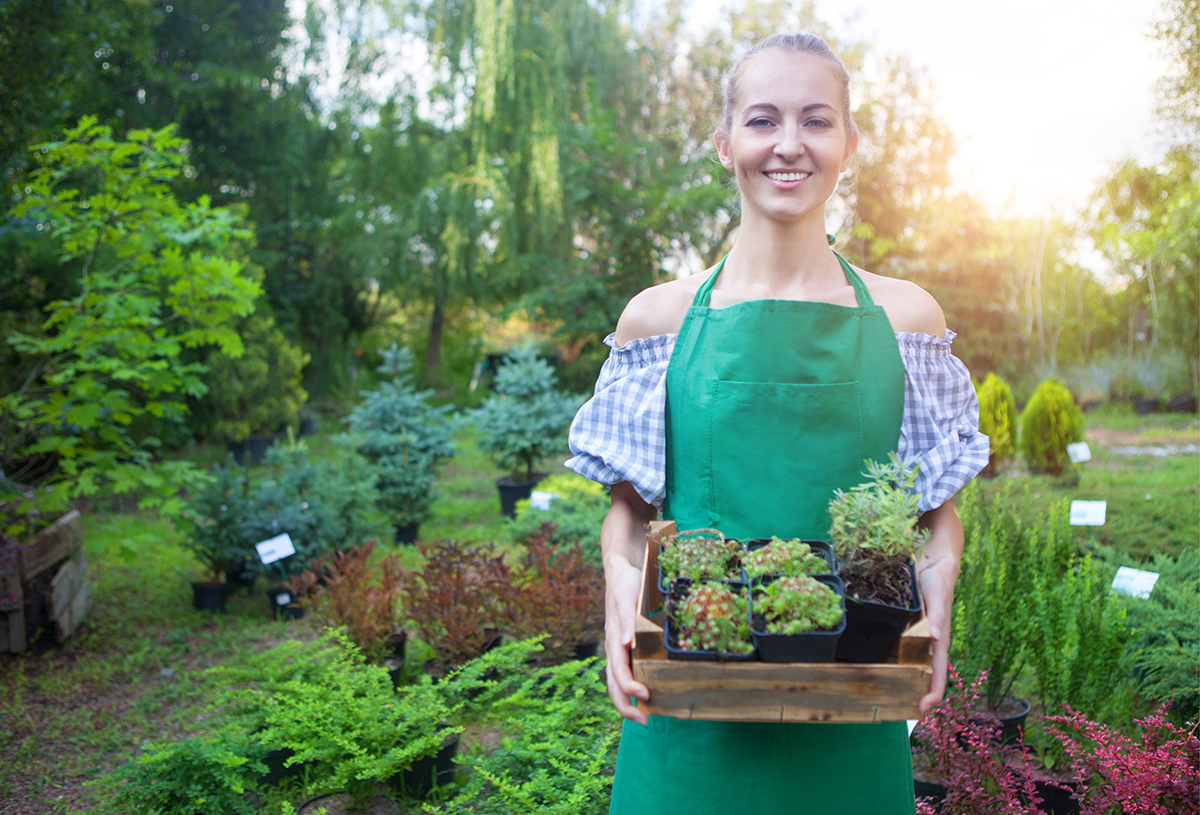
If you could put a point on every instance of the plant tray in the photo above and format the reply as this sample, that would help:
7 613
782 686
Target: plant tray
771 692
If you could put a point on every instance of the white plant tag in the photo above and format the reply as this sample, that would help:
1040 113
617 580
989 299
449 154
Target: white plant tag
540 499
1134 582
1079 452
276 548
1088 513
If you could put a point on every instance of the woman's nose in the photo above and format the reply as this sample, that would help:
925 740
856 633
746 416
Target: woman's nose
790 144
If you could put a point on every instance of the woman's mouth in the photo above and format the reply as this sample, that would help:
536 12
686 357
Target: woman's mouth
790 176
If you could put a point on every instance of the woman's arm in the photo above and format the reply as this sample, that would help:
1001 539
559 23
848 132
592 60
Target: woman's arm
623 542
937 573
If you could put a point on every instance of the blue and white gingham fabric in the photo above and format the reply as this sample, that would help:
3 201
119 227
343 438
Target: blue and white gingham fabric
620 434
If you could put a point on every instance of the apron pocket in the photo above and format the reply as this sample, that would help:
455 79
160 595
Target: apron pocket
779 446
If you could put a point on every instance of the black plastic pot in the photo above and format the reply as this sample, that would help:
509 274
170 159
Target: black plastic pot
512 491
585 650
812 646
1144 405
1057 800
873 629
292 611
209 596
255 446
339 803
818 547
308 426
1011 727
276 769
428 772
931 790
279 597
679 590
1182 403
406 533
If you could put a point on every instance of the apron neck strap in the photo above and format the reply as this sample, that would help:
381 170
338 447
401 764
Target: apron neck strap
861 294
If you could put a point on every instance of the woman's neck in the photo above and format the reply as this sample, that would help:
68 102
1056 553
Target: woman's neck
790 261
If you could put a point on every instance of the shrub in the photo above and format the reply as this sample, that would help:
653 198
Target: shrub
576 515
1051 420
557 595
348 590
193 777
997 419
527 418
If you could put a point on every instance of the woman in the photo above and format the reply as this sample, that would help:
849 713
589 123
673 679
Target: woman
740 398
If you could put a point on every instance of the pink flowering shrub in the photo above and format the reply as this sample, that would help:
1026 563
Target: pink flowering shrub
1158 775
961 750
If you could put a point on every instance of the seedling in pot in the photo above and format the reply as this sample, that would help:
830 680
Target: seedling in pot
785 557
797 605
712 617
700 554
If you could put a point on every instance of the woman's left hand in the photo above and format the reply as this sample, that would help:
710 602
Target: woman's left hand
937 572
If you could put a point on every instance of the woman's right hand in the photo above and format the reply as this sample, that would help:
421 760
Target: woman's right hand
623 542
622 584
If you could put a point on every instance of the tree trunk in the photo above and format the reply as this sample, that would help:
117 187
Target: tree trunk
433 351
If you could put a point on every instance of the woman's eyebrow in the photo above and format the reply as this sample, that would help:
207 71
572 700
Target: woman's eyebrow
770 108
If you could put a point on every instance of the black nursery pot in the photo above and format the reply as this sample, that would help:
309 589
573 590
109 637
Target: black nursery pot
873 629
426 773
512 491
209 596
406 533
679 590
812 646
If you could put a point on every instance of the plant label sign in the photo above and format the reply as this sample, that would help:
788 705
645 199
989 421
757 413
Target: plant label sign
1079 452
1134 582
276 548
540 499
1088 513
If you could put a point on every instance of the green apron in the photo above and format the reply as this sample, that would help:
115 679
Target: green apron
771 406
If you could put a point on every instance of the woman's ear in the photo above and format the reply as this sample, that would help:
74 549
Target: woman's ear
722 142
851 149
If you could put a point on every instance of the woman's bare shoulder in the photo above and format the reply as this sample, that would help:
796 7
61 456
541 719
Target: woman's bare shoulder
909 307
658 310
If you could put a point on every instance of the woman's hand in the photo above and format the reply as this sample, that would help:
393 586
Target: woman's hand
623 541
937 573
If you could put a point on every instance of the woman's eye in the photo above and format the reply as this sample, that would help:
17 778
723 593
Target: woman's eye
759 122
817 123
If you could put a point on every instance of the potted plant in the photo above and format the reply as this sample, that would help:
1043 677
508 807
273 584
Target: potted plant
699 554
523 422
797 619
348 590
456 602
405 437
558 596
708 620
253 396
789 558
214 522
876 540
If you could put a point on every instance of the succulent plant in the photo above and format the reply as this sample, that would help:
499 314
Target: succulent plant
700 554
797 605
786 557
713 617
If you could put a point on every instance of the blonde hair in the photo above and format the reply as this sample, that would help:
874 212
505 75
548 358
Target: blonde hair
792 44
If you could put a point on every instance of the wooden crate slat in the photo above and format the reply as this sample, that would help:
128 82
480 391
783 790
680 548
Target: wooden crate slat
772 692
65 584
68 619
54 543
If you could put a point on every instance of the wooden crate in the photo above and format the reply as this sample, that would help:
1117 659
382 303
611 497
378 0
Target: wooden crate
771 692
57 550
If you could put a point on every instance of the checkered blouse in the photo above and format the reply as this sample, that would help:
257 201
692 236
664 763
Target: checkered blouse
620 434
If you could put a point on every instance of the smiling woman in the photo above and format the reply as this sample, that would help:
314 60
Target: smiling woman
742 398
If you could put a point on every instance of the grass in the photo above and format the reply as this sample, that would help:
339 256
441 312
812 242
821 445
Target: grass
136 671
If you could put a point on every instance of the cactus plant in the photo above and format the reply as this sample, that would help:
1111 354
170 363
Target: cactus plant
713 617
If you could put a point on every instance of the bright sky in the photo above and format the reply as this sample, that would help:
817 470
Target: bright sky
1043 96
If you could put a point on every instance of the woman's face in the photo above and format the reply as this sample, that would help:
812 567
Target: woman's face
787 141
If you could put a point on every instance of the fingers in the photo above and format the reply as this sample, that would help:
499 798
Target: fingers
937 682
621 684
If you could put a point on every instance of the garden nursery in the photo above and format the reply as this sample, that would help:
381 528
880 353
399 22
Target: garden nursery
299 300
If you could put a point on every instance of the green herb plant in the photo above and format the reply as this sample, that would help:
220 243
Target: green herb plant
784 557
713 617
875 534
1050 421
797 605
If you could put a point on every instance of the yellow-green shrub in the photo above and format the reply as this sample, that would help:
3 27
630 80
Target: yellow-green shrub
1051 420
997 419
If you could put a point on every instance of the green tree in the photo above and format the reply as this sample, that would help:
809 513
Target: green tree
155 277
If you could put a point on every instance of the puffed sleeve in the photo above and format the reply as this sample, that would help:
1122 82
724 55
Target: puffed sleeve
620 433
941 418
